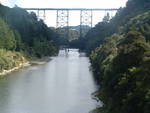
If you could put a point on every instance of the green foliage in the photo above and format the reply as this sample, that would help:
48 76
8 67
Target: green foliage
70 36
27 30
121 64
9 59
106 18
39 48
23 36
108 26
73 34
96 36
7 36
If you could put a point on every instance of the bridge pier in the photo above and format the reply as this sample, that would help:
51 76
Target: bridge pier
41 14
62 18
86 19
62 21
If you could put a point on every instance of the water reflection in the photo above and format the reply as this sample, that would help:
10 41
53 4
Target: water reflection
64 85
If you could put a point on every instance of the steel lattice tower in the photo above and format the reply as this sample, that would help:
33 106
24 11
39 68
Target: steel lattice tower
41 14
62 17
86 18
62 21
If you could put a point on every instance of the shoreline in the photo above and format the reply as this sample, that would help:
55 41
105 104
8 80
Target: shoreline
41 61
5 72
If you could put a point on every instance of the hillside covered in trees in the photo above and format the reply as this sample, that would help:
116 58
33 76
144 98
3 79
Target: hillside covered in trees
108 26
23 36
70 36
119 50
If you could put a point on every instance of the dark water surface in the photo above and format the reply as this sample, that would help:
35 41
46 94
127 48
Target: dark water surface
63 85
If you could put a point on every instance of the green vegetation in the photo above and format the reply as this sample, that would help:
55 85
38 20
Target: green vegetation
23 36
9 60
108 26
119 50
70 36
7 36
8 44
121 64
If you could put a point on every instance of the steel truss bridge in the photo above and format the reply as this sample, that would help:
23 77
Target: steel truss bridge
62 16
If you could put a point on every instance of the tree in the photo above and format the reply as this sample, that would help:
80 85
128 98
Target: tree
106 18
7 37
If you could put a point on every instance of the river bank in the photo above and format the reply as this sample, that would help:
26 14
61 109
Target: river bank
40 61
26 64
21 65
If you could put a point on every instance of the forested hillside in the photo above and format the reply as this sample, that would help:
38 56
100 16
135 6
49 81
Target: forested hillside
121 63
108 26
23 35
69 36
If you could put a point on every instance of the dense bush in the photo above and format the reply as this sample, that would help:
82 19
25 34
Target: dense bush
28 32
9 59
7 36
122 68
23 36
108 26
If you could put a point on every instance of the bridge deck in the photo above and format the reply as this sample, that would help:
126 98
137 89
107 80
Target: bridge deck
74 9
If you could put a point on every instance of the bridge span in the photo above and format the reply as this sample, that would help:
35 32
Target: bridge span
77 9
62 16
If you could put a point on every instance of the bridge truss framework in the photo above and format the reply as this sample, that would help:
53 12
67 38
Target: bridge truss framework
62 17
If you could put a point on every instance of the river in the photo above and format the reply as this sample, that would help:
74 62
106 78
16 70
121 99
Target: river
63 85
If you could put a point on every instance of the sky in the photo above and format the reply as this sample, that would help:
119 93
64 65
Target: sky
74 15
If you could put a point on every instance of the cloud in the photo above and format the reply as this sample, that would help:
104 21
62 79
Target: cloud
71 3
9 3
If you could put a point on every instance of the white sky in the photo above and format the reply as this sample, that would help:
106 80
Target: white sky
74 16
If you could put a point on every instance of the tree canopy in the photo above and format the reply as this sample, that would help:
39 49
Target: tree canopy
121 64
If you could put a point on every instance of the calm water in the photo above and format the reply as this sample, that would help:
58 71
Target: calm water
63 85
